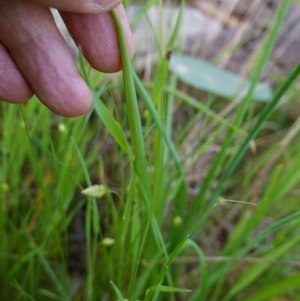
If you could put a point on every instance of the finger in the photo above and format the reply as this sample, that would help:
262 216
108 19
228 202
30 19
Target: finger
97 36
13 86
33 41
81 6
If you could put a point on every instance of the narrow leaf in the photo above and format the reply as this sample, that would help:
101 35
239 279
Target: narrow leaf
112 126
117 291
169 289
207 77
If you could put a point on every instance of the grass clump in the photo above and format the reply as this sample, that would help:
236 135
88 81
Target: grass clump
102 208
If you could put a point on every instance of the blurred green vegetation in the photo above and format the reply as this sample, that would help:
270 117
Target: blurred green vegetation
198 197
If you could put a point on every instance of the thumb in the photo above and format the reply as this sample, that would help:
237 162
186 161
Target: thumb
81 6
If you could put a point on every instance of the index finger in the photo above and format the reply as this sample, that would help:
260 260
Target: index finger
97 36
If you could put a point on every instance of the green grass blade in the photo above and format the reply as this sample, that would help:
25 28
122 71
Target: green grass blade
143 10
92 223
151 108
133 110
50 295
255 271
205 110
201 293
172 257
254 132
22 291
112 126
222 155
276 289
223 268
173 38
168 289
117 291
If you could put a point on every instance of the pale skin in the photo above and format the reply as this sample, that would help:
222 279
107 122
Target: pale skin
34 58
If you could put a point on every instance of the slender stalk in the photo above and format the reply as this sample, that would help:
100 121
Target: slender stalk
254 132
134 119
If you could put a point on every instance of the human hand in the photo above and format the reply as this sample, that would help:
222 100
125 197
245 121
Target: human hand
34 57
